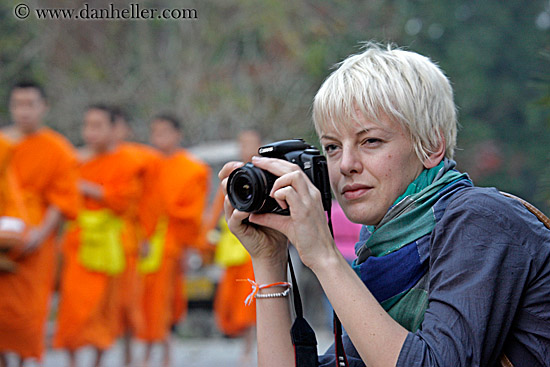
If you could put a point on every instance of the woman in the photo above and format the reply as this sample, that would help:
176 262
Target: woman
447 274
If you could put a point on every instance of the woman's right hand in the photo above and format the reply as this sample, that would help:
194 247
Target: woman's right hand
262 243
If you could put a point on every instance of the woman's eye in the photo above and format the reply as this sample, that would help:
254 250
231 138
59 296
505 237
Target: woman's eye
330 147
372 141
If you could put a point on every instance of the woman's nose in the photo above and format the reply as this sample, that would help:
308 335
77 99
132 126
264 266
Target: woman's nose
350 162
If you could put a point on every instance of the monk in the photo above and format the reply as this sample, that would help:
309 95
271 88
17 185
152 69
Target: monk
10 236
44 165
232 316
5 152
93 247
172 222
130 281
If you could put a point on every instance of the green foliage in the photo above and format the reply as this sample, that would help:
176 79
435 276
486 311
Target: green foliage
540 113
257 64
490 52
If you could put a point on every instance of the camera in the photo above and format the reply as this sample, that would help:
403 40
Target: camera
248 187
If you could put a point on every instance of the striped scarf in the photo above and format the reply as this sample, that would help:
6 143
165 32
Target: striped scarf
388 260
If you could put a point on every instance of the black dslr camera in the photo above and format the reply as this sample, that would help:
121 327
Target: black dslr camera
248 187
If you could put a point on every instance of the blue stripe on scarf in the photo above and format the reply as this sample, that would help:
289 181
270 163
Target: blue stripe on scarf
397 272
404 264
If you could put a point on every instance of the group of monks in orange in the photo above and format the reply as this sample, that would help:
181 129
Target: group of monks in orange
112 222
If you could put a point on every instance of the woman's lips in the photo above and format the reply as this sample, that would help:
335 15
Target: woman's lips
351 192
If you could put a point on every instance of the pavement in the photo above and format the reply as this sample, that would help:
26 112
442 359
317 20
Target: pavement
196 343
209 352
200 352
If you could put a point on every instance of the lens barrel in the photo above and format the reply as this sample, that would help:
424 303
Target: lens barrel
248 190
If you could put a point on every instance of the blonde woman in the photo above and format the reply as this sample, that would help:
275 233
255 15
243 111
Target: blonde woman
447 274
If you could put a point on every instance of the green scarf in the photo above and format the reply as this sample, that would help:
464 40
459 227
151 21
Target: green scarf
410 218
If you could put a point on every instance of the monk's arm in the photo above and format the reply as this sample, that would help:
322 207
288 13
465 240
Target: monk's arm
91 190
37 235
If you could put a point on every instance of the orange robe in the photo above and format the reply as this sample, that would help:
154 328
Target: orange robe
5 197
5 151
130 282
210 222
176 193
232 316
45 167
89 299
10 197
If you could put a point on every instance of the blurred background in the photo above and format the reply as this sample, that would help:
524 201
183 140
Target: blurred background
230 65
239 64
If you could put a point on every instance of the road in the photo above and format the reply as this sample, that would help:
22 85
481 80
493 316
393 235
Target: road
197 344
210 352
207 352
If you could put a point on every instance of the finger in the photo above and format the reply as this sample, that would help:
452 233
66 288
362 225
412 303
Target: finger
237 224
305 190
228 168
224 186
227 208
233 217
276 166
239 216
271 221
280 196
297 179
291 198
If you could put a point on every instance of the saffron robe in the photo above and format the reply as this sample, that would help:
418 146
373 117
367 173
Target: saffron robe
232 316
45 166
130 282
176 194
89 299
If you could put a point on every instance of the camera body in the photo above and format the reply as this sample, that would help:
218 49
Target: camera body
248 187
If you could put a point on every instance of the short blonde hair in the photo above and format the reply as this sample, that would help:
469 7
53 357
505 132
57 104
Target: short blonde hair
405 86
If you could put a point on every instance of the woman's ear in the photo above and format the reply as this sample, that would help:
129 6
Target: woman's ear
435 157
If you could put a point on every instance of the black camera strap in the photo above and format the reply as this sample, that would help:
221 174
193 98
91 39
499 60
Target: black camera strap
303 336
339 352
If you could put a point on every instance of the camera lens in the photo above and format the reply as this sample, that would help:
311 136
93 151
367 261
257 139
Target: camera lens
248 189
243 188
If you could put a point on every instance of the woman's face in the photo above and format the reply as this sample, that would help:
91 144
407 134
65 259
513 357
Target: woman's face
370 165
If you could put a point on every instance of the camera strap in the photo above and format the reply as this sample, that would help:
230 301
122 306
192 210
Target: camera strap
339 352
303 336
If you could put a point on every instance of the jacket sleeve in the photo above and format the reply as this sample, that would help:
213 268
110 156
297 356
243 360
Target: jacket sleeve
479 267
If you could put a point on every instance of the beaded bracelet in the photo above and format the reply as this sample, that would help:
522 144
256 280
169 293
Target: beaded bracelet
274 295
256 288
